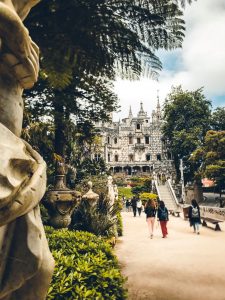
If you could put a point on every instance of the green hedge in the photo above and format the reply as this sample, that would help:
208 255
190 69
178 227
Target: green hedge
86 267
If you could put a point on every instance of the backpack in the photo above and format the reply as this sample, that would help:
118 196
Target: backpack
163 214
194 213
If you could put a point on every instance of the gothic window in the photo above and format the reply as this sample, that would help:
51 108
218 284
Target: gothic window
108 157
138 140
97 156
147 140
131 157
148 157
130 140
169 155
158 156
138 126
108 140
115 140
116 157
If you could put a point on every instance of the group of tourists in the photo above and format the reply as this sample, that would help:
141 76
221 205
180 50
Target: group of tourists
136 204
154 209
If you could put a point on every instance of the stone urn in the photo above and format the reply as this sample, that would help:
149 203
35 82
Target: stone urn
61 201
91 196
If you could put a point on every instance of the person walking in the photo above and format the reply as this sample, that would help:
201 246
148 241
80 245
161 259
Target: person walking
150 210
134 205
139 206
194 216
128 205
163 217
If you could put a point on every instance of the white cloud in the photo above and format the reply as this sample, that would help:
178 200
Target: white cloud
200 63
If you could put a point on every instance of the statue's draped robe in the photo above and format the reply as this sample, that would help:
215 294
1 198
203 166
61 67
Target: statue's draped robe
25 260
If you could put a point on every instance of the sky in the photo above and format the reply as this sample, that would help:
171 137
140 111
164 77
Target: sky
199 63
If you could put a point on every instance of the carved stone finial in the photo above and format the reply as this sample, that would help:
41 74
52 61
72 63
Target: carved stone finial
90 185
90 195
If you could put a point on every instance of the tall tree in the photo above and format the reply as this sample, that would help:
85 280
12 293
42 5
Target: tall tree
187 118
212 158
218 119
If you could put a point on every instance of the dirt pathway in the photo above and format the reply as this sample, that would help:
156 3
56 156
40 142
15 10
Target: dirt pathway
184 266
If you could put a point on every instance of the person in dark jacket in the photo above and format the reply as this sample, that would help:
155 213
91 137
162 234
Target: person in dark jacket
150 210
163 217
194 216
134 205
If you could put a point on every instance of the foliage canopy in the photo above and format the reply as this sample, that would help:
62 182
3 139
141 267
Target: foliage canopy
187 119
211 155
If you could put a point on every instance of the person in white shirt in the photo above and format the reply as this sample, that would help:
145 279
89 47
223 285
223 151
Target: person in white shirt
139 206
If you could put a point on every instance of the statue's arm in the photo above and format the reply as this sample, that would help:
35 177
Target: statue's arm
23 7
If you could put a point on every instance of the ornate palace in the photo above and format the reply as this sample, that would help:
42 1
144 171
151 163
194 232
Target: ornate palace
135 145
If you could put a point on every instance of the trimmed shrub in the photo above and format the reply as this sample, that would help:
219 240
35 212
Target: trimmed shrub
124 191
146 196
85 267
119 224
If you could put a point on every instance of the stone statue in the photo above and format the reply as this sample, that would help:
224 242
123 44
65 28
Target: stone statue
111 191
26 264
116 192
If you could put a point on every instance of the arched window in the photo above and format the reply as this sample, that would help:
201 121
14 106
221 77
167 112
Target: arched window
115 140
158 156
147 140
148 157
169 155
108 140
138 126
130 140
131 157
97 156
116 157
138 140
108 157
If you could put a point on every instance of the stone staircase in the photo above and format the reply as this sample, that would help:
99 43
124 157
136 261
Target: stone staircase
166 196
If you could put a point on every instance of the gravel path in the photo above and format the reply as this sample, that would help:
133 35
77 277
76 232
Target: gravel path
184 266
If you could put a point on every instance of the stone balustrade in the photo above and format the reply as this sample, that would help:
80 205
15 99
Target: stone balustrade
213 212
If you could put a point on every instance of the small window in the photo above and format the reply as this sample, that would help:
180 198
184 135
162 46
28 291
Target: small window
158 156
130 140
148 157
97 157
138 126
115 140
116 157
131 157
108 157
138 140
108 140
146 121
147 140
